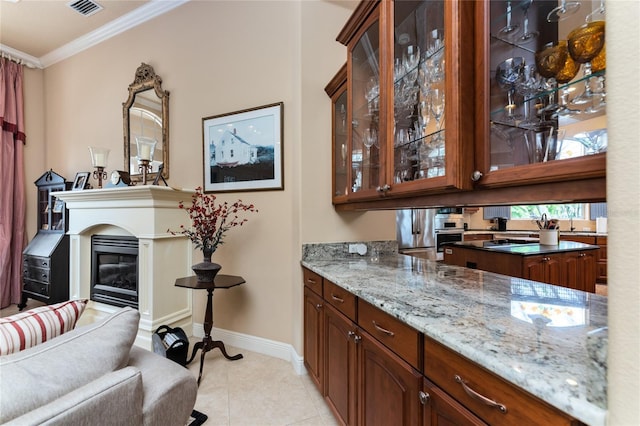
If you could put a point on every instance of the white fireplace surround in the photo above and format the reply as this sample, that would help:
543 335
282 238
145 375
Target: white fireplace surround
146 212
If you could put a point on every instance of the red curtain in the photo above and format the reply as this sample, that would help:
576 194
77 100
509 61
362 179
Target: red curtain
12 190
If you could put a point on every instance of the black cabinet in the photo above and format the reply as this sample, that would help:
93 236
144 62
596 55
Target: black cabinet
45 261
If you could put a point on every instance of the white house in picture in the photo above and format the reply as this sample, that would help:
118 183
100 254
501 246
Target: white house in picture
232 151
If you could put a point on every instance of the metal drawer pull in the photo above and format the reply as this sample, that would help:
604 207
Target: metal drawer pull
384 330
482 398
424 397
319 306
334 297
311 280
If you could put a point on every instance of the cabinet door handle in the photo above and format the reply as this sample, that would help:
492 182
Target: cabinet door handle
44 263
311 280
319 306
479 397
424 397
582 254
336 298
384 330
476 175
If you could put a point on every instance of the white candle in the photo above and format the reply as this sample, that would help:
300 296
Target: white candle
100 160
145 152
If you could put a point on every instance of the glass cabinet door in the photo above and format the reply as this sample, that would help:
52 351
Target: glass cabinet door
365 103
340 145
419 83
546 81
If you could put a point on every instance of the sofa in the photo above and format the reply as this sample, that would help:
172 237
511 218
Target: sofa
94 375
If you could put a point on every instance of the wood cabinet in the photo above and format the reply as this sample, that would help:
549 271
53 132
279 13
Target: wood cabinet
377 370
405 76
313 312
489 397
601 254
477 237
406 148
439 409
389 386
572 269
45 260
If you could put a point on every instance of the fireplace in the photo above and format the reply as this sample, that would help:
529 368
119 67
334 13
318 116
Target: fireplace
113 229
114 270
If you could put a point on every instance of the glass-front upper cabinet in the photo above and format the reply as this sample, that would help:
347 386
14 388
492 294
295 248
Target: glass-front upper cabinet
545 75
337 91
364 76
411 101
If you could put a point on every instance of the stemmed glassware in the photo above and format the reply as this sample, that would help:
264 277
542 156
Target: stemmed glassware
528 85
437 106
508 73
370 137
584 43
527 35
564 76
594 141
550 61
372 93
563 11
510 29
410 60
597 14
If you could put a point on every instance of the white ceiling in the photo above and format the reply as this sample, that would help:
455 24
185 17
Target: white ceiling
43 32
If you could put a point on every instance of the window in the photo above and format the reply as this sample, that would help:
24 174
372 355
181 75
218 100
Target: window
556 211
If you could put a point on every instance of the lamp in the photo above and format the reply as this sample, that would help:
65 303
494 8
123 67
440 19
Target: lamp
99 158
146 146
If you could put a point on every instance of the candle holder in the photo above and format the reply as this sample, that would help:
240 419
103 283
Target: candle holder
146 146
99 158
145 168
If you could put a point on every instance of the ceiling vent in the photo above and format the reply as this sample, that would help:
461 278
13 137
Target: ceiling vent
85 7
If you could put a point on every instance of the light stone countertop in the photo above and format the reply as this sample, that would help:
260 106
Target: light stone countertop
482 316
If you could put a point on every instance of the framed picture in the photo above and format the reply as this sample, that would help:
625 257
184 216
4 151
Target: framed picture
243 150
81 181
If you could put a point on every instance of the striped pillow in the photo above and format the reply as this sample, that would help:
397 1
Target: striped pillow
37 325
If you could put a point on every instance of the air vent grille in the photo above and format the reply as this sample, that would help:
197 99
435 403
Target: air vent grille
85 7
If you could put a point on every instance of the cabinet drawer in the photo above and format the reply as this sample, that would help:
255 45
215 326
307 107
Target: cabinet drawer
35 261
468 383
36 287
313 281
394 334
341 299
38 274
578 239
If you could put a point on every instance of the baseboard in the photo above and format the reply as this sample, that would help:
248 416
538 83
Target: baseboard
256 344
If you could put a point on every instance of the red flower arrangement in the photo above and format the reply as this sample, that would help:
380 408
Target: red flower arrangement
210 222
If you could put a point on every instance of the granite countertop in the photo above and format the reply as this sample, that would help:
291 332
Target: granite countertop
490 319
523 249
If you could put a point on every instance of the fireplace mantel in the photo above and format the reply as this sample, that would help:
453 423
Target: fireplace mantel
146 212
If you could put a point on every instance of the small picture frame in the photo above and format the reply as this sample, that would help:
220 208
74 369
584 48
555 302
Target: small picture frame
243 150
81 181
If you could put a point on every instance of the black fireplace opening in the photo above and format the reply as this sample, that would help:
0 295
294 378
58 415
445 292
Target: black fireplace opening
114 270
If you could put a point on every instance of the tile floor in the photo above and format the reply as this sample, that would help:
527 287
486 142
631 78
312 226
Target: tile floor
257 390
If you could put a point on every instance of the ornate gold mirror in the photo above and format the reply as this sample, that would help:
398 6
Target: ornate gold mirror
146 117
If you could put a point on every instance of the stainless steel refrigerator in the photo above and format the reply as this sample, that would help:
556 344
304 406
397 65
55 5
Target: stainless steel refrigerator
415 232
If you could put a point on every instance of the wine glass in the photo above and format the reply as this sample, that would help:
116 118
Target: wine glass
510 29
584 43
528 85
563 11
507 74
597 14
410 61
550 60
437 106
370 136
564 76
595 141
372 91
599 63
527 35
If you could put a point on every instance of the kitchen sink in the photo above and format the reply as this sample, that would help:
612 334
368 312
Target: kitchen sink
506 242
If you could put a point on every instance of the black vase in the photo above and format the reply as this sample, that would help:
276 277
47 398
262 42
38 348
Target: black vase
206 270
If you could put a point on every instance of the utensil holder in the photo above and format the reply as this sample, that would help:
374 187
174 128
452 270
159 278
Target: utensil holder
549 237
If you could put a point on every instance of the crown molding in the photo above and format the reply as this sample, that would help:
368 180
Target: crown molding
20 57
132 19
